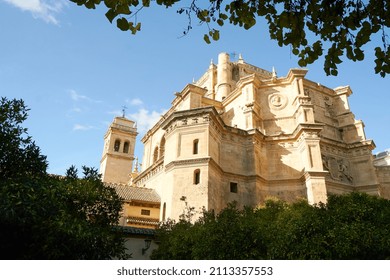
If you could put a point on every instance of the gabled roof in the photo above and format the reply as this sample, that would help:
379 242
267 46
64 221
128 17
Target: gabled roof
129 193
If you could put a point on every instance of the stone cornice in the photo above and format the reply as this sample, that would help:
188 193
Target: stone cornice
187 162
196 116
310 130
153 169
207 102
251 68
189 88
343 90
342 187
292 74
296 73
117 155
119 127
318 87
362 144
250 79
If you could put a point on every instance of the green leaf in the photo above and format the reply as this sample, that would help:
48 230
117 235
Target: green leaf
123 9
359 54
206 38
135 29
110 3
111 14
90 5
223 16
215 35
334 72
122 24
302 62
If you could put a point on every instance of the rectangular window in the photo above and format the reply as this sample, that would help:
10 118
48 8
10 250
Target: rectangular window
195 147
233 187
196 176
145 212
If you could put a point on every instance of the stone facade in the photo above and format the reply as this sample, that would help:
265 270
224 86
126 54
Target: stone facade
382 167
240 133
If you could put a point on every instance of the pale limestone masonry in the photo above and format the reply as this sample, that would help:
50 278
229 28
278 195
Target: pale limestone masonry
382 166
240 133
118 152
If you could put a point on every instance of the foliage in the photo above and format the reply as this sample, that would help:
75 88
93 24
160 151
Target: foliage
352 226
340 27
50 217
19 155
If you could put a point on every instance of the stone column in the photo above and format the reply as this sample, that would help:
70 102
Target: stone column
224 76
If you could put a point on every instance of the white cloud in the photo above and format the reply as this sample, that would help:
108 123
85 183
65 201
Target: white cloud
145 119
135 102
82 127
77 110
43 9
78 97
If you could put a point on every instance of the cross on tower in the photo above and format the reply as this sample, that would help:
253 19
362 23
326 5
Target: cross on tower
124 111
233 55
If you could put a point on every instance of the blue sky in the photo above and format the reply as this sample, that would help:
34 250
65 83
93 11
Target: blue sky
75 71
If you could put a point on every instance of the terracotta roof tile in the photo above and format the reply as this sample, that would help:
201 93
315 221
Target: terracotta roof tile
142 221
129 193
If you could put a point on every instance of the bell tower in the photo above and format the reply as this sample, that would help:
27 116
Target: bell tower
118 152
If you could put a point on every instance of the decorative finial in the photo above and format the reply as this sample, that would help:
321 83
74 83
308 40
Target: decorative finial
135 170
274 75
240 59
211 66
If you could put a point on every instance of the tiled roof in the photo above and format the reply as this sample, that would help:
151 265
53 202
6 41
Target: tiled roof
142 221
129 193
138 231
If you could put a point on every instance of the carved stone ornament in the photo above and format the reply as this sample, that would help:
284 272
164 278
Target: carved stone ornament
338 169
329 107
277 101
306 92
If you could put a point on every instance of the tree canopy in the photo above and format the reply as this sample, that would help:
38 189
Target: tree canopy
334 28
352 226
45 216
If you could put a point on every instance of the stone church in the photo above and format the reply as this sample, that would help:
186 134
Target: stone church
241 133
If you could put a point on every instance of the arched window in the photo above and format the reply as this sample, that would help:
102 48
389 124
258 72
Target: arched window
126 147
117 145
195 147
197 176
162 147
155 154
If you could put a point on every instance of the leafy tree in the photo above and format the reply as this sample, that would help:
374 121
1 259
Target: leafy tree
337 27
44 216
19 156
352 226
